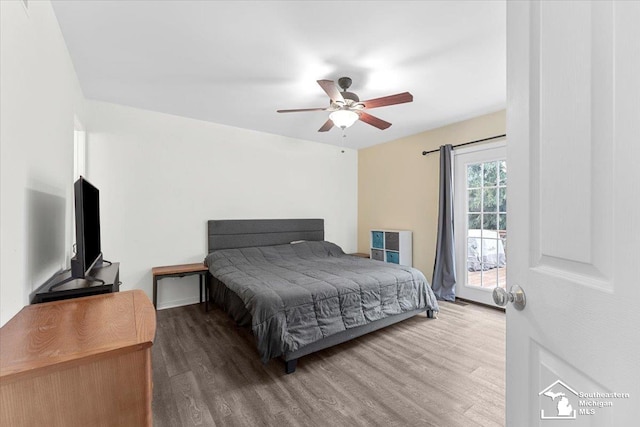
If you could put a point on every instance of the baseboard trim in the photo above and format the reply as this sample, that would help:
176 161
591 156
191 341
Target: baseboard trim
468 301
178 303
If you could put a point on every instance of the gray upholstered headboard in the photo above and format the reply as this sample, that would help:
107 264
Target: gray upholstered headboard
245 233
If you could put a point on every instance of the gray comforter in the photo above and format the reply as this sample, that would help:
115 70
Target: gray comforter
300 293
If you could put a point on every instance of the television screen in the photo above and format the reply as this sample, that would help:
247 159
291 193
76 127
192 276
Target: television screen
87 209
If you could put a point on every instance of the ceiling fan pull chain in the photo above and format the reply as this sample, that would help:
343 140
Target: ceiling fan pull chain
344 136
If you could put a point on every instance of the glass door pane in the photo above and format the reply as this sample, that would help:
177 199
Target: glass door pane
486 224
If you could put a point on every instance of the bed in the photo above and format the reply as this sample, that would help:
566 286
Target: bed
299 293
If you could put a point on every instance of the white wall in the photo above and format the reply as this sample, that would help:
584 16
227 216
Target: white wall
161 177
39 95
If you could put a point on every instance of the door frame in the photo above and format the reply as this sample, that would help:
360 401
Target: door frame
462 157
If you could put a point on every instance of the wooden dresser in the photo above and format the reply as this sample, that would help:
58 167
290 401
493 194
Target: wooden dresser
79 362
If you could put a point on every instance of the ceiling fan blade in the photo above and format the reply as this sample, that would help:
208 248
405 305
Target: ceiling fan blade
374 121
330 88
326 126
301 109
399 98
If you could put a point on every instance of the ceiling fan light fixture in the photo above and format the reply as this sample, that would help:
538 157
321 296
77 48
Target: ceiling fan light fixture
346 106
343 118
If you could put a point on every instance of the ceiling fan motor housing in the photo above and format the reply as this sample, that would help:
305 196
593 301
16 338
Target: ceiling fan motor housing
344 83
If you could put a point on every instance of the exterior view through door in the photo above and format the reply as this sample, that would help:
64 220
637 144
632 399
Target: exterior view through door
480 188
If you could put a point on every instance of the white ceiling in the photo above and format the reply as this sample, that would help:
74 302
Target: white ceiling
237 62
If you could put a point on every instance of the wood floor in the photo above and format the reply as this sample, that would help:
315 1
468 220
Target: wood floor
488 279
422 372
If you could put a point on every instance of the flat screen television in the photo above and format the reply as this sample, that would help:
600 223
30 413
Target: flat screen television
87 214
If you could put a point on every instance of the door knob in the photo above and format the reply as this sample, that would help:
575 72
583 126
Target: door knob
515 295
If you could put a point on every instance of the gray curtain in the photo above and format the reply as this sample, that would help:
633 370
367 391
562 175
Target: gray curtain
444 270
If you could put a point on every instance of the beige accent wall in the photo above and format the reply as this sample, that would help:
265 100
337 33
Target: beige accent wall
398 186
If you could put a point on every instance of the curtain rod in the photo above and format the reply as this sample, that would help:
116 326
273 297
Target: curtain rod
424 153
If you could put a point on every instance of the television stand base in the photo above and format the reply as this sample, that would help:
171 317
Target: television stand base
71 278
102 280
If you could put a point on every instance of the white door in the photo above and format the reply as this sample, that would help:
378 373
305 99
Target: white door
480 185
573 123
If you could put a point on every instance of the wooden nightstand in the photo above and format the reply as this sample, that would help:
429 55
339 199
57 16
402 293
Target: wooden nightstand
360 254
180 270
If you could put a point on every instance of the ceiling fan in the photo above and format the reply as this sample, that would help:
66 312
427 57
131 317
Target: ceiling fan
346 108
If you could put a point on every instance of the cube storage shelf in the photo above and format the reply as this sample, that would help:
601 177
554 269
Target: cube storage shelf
394 246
